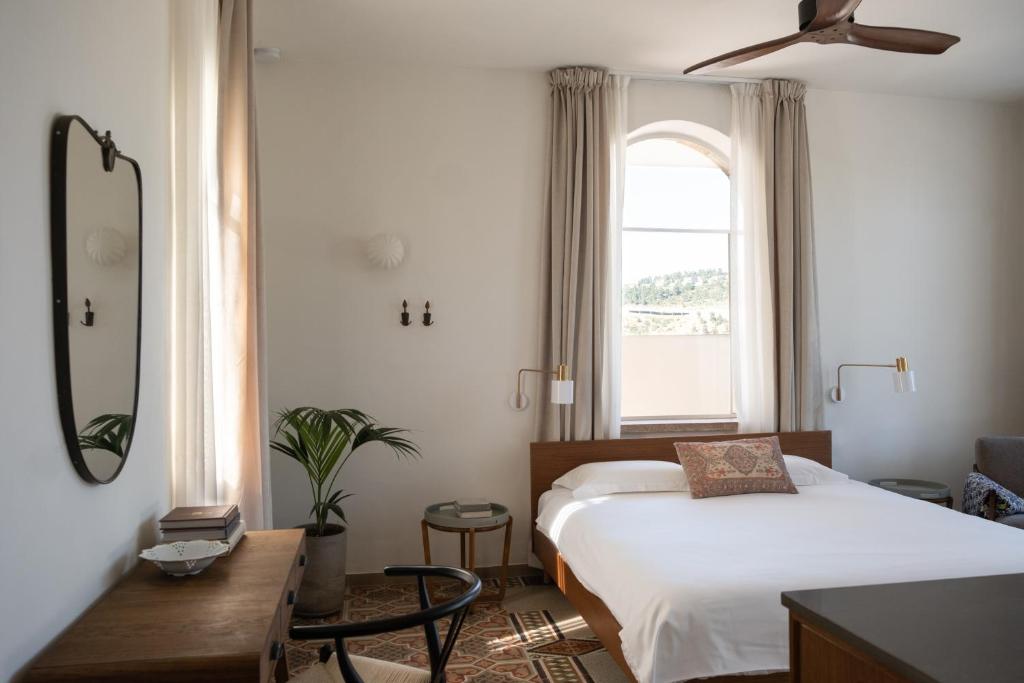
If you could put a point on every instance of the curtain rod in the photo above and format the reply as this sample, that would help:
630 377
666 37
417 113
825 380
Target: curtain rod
683 78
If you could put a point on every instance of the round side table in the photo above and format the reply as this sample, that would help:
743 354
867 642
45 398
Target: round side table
931 491
442 517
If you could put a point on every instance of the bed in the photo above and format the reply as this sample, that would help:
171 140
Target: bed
679 589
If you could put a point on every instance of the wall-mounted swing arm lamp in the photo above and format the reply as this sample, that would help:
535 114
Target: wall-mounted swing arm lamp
902 379
561 387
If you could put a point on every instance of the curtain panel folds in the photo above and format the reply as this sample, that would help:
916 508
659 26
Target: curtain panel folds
580 318
219 417
775 332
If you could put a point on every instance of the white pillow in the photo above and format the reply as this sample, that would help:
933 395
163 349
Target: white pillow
806 472
634 476
623 476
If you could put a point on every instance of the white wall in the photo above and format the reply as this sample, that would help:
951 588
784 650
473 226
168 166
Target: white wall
652 101
919 235
453 161
65 541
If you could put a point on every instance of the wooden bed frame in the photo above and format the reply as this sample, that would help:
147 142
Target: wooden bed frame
550 460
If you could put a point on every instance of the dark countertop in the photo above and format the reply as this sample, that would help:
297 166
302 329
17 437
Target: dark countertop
948 631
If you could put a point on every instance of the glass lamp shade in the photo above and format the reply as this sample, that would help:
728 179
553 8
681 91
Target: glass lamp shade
561 391
904 382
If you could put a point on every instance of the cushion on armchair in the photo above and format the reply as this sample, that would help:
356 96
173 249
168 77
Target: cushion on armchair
1008 504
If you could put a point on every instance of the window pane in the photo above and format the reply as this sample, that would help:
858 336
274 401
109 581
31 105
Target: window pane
676 352
671 185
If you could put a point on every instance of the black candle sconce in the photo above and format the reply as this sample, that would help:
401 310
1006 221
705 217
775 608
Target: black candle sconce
427 322
405 314
90 317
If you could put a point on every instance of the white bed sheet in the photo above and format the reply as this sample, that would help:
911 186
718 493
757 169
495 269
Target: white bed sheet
696 583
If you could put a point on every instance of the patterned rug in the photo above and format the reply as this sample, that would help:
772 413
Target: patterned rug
534 635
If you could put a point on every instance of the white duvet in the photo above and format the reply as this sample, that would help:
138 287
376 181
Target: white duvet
696 583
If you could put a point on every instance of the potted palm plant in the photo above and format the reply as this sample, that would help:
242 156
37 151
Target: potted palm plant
322 441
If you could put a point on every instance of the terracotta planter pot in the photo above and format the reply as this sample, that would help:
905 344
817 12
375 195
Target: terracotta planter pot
323 585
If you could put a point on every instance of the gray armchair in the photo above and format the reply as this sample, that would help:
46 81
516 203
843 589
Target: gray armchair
1001 459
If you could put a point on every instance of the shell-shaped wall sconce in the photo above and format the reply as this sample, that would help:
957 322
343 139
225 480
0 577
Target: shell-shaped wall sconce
385 250
106 246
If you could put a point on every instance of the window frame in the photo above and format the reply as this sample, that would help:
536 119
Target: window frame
699 138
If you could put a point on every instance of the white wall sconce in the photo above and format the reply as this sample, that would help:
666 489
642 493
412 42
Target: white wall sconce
902 379
561 387
385 251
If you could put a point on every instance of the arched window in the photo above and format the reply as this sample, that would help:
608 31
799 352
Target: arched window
676 348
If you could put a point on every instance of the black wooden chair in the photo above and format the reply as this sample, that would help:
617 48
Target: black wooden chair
340 667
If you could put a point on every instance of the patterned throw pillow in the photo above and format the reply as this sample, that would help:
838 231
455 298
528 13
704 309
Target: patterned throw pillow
726 468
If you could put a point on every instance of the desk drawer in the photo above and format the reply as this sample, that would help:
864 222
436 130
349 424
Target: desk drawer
273 649
291 590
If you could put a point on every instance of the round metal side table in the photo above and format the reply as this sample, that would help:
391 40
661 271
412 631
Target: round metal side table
442 517
931 491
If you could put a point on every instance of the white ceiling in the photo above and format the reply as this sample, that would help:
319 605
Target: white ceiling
661 36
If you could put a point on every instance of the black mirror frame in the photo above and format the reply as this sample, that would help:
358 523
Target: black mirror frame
109 155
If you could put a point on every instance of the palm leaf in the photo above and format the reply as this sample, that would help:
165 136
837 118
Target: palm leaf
109 432
322 441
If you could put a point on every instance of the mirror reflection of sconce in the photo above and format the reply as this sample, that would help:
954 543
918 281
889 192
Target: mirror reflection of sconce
405 314
561 388
108 150
903 380
90 317
106 246
427 318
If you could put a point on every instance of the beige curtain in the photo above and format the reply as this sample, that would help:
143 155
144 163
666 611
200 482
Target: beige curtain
219 416
779 382
581 267
799 380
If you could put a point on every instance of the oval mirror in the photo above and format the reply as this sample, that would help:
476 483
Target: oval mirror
96 243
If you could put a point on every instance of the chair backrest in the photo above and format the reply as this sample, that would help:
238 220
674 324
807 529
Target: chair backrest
1001 458
427 617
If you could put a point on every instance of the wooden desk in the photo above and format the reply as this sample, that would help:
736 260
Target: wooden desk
228 623
948 631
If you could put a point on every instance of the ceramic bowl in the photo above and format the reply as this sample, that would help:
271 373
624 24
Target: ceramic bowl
184 558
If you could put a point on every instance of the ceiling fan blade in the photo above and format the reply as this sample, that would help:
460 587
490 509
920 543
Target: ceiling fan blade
747 53
827 13
900 39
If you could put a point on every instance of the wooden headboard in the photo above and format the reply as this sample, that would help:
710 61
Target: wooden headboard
551 459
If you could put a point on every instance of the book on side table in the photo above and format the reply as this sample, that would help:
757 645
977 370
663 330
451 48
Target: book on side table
473 508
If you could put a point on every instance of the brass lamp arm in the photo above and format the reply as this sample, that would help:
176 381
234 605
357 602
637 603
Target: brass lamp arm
519 375
518 399
900 365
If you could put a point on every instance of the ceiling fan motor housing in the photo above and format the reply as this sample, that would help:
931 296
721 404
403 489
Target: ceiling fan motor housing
808 9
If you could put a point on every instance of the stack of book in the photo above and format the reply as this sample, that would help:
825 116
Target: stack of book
473 508
203 523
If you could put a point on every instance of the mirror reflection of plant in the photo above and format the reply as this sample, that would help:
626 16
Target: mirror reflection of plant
109 432
322 441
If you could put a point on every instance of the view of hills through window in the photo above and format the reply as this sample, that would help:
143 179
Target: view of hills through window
675 241
691 302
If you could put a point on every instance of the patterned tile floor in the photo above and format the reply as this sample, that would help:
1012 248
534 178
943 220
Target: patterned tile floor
534 635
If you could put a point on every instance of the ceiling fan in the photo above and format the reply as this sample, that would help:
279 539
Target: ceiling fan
831 21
